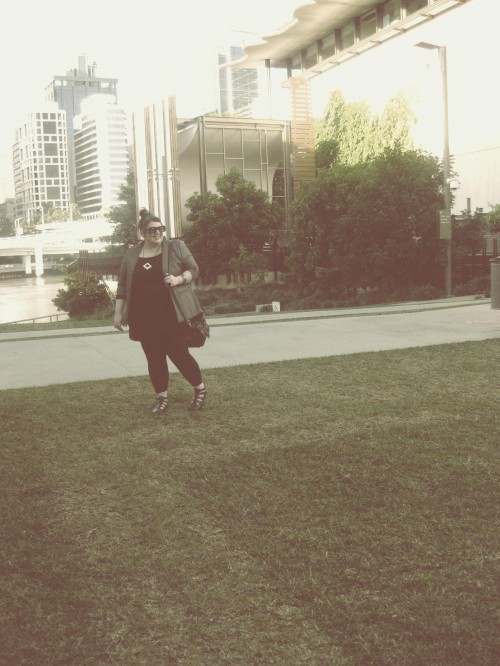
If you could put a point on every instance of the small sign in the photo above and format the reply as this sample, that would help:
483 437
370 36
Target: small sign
444 224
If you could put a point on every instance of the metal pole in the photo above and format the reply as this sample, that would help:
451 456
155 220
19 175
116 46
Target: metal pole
269 90
446 157
446 163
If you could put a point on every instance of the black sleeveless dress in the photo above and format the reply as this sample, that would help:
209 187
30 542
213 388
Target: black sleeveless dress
151 312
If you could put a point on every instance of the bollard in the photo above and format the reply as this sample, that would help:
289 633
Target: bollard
495 283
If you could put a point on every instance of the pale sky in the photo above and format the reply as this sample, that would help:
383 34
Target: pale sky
155 47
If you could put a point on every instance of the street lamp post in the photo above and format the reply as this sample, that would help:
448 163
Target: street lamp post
445 222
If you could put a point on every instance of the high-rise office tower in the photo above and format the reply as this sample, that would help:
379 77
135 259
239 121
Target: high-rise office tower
238 88
40 156
69 91
101 154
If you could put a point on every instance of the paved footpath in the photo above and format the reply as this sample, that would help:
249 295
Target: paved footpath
68 355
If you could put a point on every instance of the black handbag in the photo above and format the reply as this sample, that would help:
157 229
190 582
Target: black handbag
197 330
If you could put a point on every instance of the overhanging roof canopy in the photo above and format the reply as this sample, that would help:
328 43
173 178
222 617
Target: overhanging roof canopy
314 21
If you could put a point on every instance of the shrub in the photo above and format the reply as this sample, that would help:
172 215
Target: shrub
226 307
478 285
81 299
424 292
374 297
208 297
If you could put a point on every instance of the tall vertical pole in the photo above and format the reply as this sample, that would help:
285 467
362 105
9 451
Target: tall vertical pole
269 89
445 232
446 163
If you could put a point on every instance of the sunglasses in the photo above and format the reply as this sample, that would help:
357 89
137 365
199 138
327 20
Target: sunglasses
155 230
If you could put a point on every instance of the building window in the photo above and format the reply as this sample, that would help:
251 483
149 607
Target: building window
53 193
390 12
368 24
328 46
296 63
311 56
414 5
51 171
251 155
213 140
254 176
233 147
347 36
50 148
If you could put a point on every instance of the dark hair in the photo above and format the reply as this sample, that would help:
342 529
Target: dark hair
145 217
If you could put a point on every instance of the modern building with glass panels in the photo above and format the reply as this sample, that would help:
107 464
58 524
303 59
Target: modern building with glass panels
70 90
238 88
40 156
101 154
170 167
209 147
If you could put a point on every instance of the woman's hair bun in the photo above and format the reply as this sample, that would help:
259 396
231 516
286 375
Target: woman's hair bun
144 212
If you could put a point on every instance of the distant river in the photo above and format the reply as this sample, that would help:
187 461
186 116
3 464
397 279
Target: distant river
24 298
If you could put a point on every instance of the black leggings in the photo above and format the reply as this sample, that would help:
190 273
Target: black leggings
175 348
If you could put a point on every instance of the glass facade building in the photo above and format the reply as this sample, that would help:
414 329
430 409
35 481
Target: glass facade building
101 154
69 91
175 166
238 88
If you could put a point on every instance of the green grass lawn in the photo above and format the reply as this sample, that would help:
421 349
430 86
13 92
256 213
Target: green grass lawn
336 511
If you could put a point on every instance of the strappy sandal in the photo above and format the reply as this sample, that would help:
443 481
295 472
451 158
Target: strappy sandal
161 405
198 400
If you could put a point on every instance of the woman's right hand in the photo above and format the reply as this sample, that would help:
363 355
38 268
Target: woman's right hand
118 322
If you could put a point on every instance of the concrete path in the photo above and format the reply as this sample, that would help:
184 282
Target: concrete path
69 355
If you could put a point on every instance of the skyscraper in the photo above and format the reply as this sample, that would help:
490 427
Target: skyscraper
69 91
238 88
40 156
101 153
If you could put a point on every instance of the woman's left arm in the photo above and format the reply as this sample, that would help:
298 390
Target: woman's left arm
189 268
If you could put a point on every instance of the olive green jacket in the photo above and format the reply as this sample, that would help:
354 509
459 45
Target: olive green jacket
180 259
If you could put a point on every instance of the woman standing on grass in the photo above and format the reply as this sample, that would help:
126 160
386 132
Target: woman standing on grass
149 271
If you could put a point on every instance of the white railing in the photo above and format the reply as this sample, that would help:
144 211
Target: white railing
62 316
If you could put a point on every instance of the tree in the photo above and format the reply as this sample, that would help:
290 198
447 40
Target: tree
55 214
7 227
349 134
368 225
80 299
124 217
492 219
468 234
230 225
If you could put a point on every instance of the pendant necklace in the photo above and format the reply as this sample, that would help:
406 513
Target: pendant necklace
147 265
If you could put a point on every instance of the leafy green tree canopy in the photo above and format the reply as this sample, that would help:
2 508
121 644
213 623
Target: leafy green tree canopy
372 224
7 227
469 237
230 225
492 218
53 214
80 299
124 217
349 133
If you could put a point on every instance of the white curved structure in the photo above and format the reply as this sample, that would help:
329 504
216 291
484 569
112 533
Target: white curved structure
324 33
56 239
